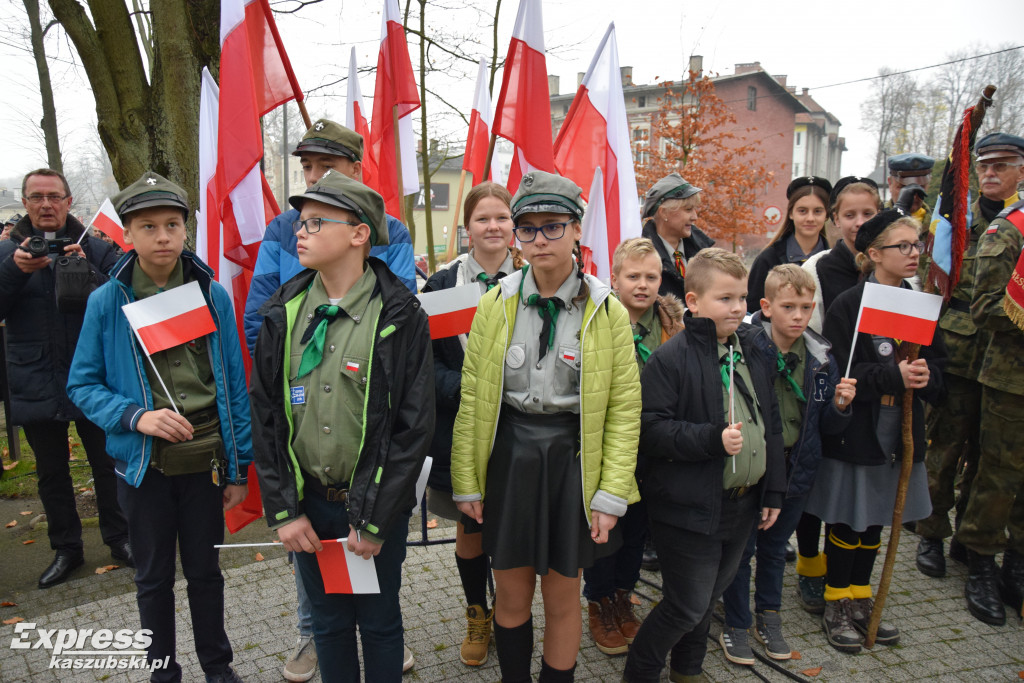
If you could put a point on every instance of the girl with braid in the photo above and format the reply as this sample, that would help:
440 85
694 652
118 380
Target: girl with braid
545 441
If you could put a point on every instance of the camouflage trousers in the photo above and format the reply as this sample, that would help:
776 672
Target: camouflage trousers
995 505
953 446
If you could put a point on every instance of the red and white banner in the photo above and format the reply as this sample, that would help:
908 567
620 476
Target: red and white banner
479 138
345 572
595 134
902 314
597 256
523 113
355 119
394 96
109 223
170 318
273 75
450 311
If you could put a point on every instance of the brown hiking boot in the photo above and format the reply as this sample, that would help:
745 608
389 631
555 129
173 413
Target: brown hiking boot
478 636
603 629
627 622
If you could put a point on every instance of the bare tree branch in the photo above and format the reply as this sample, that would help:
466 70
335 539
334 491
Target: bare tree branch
300 5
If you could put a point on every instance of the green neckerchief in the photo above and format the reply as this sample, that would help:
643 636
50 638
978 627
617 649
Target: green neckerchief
785 364
316 332
548 310
641 349
490 281
736 358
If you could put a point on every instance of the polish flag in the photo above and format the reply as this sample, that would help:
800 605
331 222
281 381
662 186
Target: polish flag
450 311
479 138
523 114
345 572
108 222
595 135
273 76
594 240
899 313
170 318
394 96
355 119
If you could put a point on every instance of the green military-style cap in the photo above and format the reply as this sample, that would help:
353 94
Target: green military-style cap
541 192
337 189
149 191
671 186
328 137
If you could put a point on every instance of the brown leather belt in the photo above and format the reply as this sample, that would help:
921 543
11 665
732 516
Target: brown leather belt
332 494
888 400
738 492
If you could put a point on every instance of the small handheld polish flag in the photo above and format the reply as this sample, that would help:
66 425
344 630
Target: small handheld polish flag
345 572
109 223
902 314
451 311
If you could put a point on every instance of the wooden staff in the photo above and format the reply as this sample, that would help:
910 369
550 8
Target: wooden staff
398 166
490 152
453 236
305 114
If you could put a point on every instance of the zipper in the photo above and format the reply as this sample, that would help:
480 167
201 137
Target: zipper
583 482
224 384
140 373
501 382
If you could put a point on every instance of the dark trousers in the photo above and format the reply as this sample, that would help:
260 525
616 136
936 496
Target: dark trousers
186 510
335 616
621 570
49 442
696 568
770 546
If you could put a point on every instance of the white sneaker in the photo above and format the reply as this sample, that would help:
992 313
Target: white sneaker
301 665
409 660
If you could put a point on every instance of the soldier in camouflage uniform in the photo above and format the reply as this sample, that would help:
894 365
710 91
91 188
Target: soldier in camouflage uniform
1000 476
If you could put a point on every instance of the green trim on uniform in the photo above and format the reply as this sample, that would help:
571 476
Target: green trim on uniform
291 311
387 331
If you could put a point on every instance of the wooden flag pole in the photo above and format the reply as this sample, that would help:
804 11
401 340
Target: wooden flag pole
453 236
305 114
398 166
490 152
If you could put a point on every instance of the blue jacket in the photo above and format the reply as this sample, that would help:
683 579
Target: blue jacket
278 262
109 383
821 375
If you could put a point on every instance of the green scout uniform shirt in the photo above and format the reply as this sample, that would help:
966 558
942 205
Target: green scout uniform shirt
649 326
327 404
185 369
473 269
790 408
751 460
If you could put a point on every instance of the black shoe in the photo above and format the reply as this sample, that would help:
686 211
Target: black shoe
790 553
982 589
650 559
122 552
910 526
228 676
1011 581
930 560
957 551
64 563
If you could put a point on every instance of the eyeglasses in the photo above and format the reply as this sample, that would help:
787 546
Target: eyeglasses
312 225
37 199
551 231
906 248
998 167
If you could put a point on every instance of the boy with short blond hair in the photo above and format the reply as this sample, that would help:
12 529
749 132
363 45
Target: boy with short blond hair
709 481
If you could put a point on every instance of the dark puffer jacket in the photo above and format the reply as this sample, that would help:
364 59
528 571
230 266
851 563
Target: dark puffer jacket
671 281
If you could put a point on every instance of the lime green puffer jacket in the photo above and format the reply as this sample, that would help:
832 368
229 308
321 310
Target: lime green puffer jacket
609 397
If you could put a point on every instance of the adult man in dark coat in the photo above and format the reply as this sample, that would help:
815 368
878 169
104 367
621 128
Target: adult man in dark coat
40 345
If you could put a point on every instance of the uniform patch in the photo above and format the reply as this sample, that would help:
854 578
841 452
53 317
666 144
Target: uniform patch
515 357
885 349
352 367
569 355
298 395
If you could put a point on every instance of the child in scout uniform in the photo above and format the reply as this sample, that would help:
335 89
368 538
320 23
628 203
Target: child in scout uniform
545 440
343 408
608 584
180 464
855 488
708 483
670 208
813 400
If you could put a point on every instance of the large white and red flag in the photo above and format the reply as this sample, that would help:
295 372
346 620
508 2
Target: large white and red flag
595 134
523 112
355 119
109 223
902 314
273 76
395 98
474 160
170 318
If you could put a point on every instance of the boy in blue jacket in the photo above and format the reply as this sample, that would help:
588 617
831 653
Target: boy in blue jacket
813 400
180 464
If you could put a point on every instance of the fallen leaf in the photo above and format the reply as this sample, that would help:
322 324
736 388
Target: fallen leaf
84 488
25 512
6 603
634 598
111 567
432 524
795 655
14 620
259 557
11 524
101 570
10 466
28 542
811 672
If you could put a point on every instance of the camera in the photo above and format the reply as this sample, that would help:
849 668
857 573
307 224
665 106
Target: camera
39 246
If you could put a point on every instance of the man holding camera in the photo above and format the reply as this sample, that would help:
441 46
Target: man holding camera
40 345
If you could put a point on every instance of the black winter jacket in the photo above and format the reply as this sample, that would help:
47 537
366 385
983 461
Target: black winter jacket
398 421
837 272
683 418
772 255
41 341
671 281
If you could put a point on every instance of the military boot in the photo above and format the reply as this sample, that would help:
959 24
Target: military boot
1011 581
982 589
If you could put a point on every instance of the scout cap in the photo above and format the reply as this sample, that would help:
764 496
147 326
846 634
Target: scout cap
337 189
804 181
874 227
996 145
541 192
149 191
671 186
328 137
13 219
910 164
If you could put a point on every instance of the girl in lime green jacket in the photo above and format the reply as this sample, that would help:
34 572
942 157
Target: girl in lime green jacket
545 442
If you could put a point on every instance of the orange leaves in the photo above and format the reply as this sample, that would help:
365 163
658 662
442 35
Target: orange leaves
28 542
107 568
432 524
11 524
259 557
811 672
14 620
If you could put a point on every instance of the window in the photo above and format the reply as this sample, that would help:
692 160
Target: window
751 98
641 101
798 139
565 110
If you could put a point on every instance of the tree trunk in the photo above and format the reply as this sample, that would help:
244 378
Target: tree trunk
424 140
49 122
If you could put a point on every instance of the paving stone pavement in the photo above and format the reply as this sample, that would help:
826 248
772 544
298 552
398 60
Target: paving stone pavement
940 639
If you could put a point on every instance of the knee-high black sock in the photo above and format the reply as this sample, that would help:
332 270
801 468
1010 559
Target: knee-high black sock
515 651
549 674
808 534
473 573
841 546
864 560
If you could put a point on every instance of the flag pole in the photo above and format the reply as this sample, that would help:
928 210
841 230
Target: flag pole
453 236
490 152
305 114
398 166
157 373
732 396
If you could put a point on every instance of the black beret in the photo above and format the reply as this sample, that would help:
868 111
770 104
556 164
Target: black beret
848 180
804 181
874 227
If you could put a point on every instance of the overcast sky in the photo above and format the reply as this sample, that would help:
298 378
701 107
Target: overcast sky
815 44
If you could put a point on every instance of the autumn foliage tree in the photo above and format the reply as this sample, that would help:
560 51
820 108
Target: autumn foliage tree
694 134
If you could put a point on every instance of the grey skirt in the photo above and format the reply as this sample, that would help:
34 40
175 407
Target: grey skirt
860 496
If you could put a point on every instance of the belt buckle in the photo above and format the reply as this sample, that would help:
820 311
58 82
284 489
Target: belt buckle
336 495
738 492
888 400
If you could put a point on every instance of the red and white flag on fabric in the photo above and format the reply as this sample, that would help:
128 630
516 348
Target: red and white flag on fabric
273 76
477 142
109 223
395 96
345 572
170 318
523 113
355 119
595 134
902 314
593 242
451 310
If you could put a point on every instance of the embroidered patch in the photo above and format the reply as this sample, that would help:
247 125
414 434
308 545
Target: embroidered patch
352 367
569 355
298 395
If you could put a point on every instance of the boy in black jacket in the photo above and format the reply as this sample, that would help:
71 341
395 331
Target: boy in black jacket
708 483
339 453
